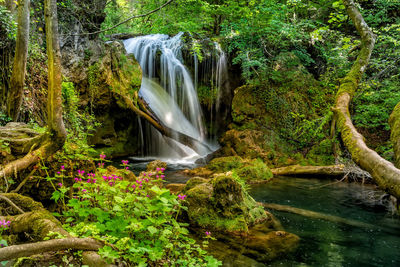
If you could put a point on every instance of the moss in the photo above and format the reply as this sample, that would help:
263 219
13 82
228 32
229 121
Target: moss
195 181
254 170
224 164
221 204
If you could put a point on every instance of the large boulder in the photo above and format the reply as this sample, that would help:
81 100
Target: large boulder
223 207
248 170
103 74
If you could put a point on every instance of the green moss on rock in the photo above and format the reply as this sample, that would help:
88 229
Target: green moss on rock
224 164
221 204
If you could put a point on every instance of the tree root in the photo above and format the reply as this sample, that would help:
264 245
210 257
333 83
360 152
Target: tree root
12 204
25 250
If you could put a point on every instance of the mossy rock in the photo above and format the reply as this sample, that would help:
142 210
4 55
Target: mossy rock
152 166
221 204
254 170
224 164
248 170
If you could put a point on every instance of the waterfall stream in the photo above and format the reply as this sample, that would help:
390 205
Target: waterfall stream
171 94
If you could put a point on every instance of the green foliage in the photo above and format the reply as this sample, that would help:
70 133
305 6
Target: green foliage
80 125
374 105
135 218
4 119
254 170
8 27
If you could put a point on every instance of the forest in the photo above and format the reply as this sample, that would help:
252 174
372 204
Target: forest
199 133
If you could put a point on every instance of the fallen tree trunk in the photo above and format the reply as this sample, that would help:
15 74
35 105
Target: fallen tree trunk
293 170
26 250
317 215
165 130
386 175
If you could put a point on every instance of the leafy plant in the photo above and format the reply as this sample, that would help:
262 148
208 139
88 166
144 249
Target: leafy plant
134 217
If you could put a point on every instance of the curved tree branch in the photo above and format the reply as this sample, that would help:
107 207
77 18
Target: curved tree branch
12 204
386 175
26 250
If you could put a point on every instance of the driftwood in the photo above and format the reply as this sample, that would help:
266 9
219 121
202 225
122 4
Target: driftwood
317 215
38 223
293 170
26 250
385 174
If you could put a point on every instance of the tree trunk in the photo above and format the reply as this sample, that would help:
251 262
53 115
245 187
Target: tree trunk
386 175
56 131
54 101
293 170
14 99
394 122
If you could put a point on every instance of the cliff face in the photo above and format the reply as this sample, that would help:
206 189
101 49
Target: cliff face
100 76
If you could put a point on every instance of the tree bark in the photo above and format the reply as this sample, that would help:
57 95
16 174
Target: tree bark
26 250
394 122
386 175
56 133
54 101
334 170
14 99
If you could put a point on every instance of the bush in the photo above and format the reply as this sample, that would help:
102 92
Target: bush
134 217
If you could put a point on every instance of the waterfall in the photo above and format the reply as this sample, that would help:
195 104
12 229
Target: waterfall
167 87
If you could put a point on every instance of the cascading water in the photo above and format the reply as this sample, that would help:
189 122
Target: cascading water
168 89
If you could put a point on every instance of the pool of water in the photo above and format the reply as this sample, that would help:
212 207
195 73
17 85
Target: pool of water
323 243
326 243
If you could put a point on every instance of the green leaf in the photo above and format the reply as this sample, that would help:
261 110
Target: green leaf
152 230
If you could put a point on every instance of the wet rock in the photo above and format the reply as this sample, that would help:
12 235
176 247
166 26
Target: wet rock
251 171
175 188
223 207
152 166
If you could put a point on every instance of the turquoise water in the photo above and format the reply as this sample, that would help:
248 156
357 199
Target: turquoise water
325 243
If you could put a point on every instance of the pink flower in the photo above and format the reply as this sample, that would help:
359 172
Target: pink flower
62 167
84 190
76 179
102 156
80 173
101 165
162 176
4 223
58 172
158 169
127 168
144 174
208 233
162 169
181 197
60 184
